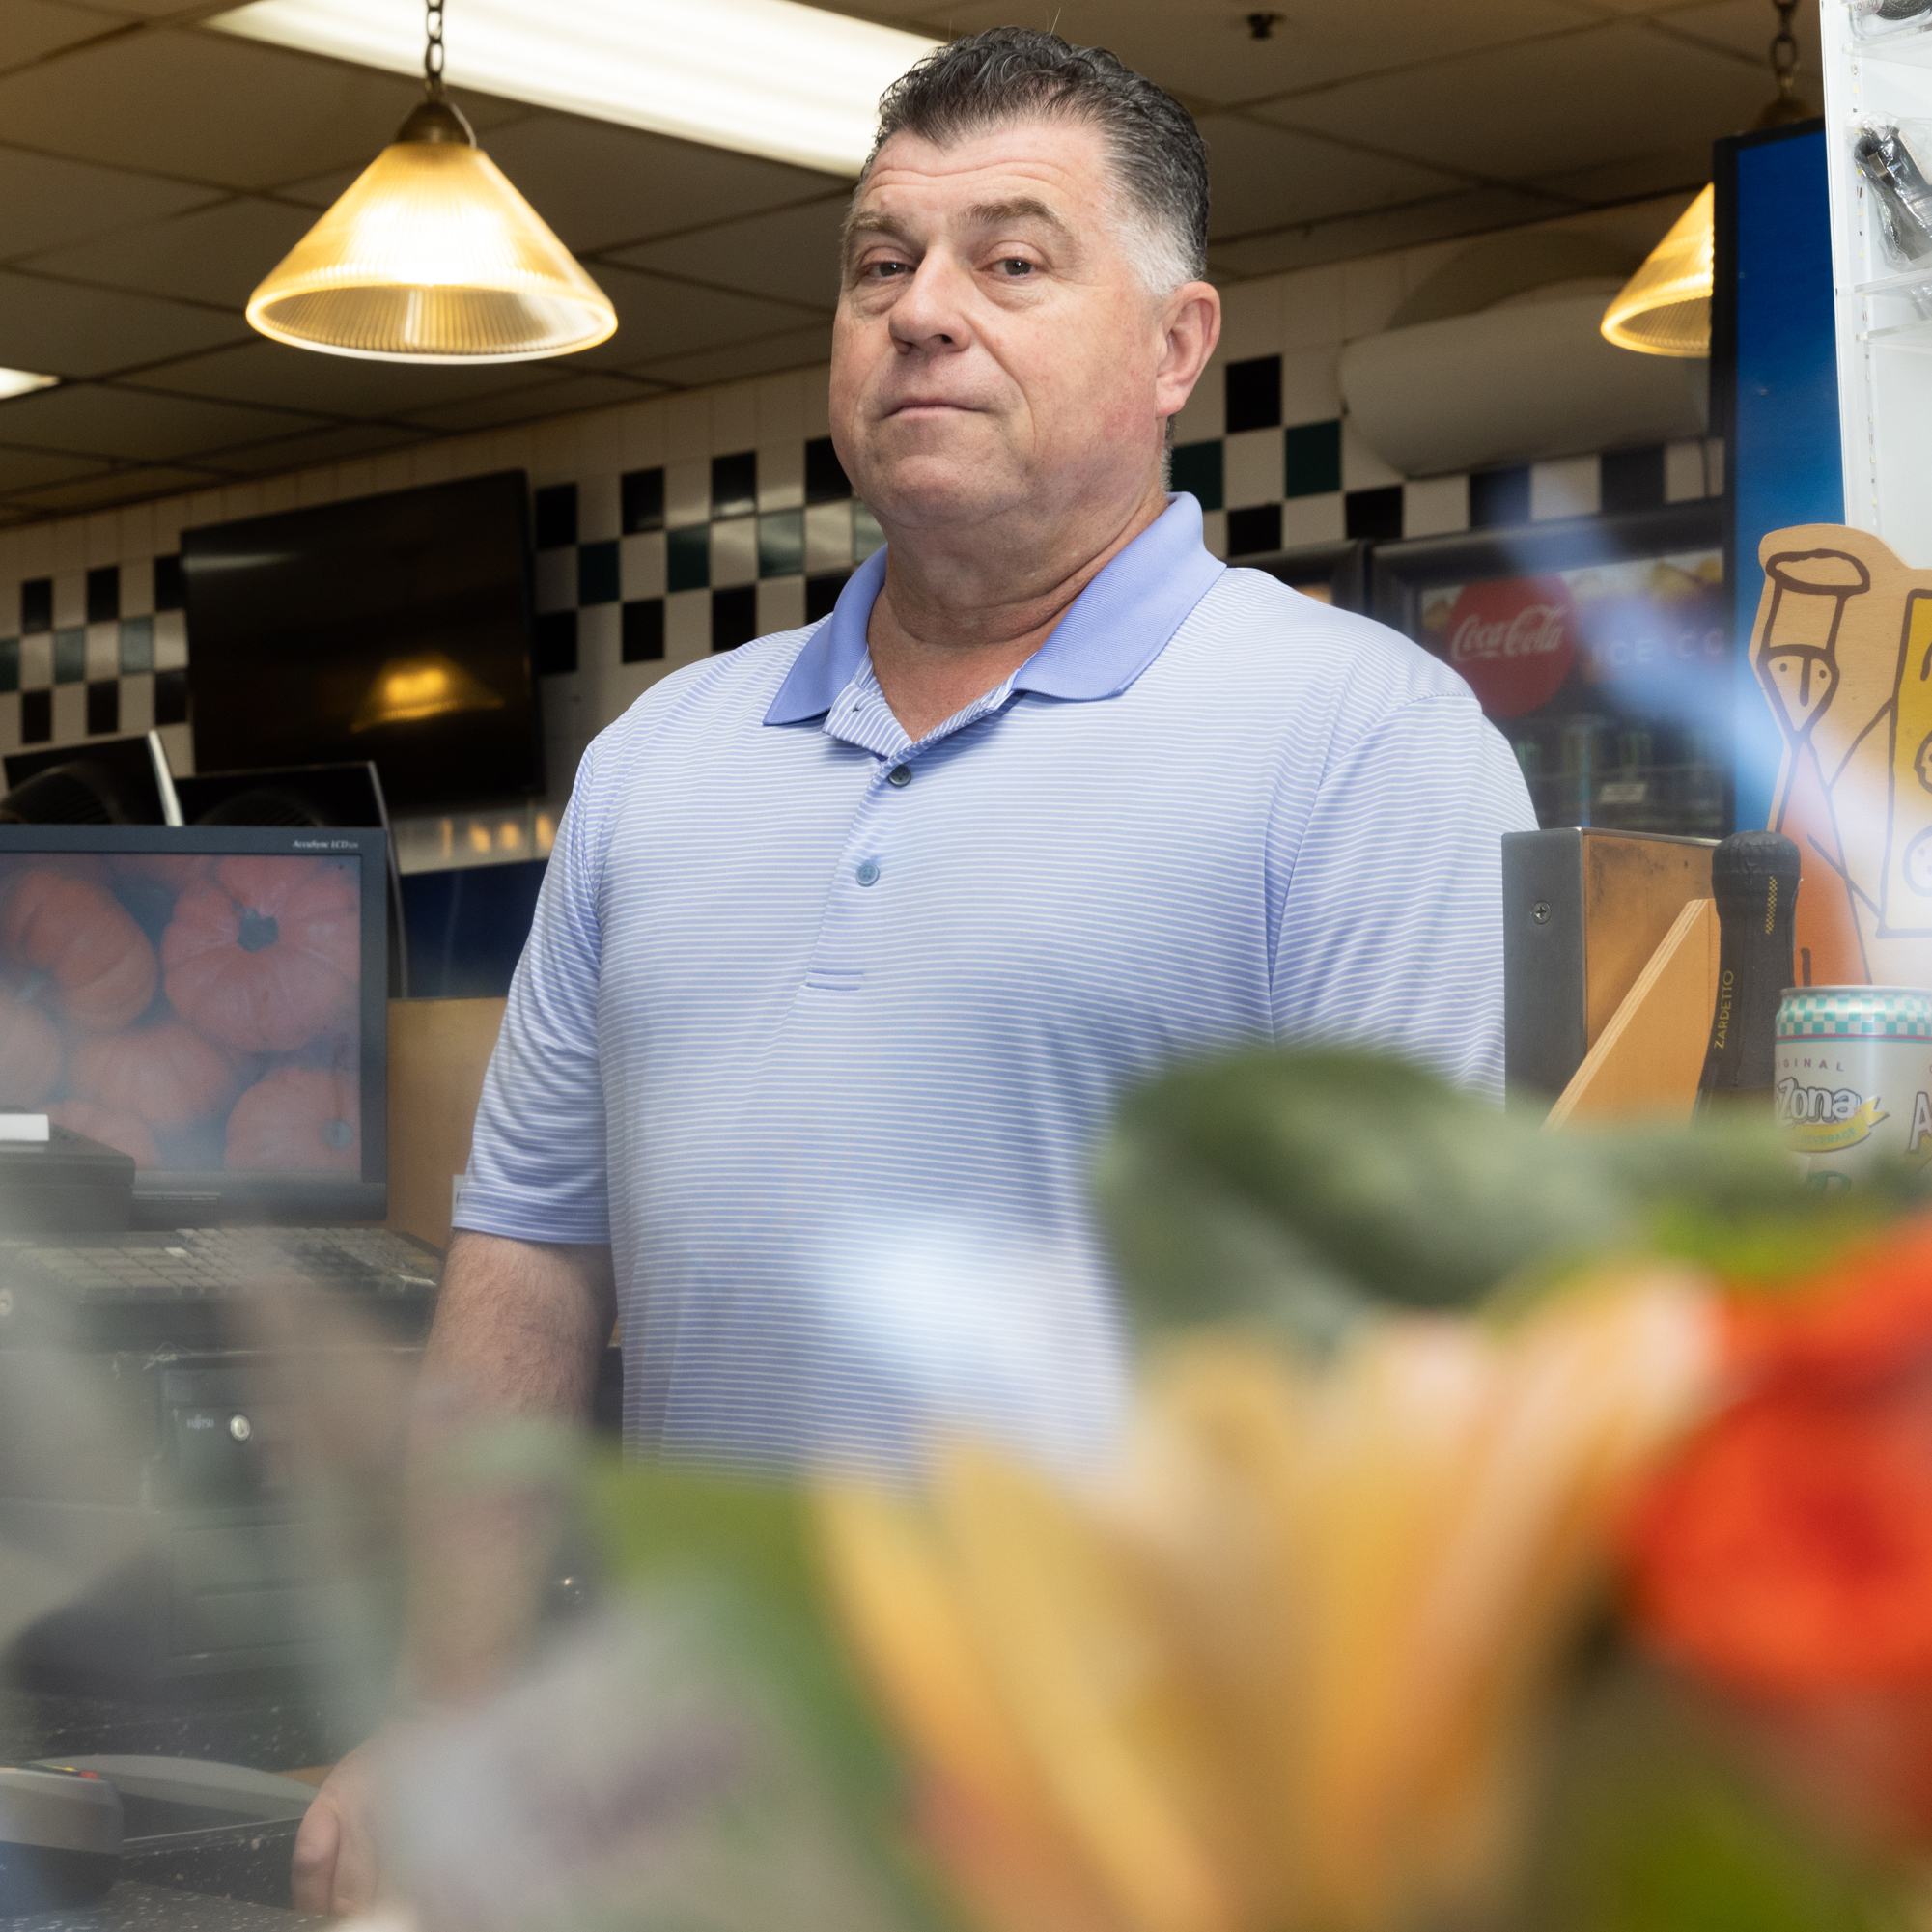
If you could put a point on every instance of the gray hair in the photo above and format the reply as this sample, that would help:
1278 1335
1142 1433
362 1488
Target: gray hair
1014 74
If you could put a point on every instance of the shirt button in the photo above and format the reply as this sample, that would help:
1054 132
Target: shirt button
900 774
868 872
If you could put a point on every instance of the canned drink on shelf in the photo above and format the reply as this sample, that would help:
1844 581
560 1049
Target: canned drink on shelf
1852 1067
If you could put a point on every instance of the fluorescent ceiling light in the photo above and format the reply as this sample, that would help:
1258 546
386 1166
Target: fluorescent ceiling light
22 383
764 77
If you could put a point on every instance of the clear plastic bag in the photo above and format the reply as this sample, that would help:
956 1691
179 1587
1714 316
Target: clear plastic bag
1887 155
1878 19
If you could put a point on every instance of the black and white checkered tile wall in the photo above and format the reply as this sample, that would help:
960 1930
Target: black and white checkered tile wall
674 527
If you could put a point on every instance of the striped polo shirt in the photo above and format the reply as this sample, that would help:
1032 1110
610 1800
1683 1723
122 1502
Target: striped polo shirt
819 1027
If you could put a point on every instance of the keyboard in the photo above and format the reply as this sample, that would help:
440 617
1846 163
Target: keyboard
191 1287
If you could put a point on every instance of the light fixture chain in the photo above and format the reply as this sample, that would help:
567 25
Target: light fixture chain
1784 48
433 51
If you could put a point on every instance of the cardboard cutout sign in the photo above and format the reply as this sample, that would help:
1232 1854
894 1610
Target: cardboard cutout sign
1842 651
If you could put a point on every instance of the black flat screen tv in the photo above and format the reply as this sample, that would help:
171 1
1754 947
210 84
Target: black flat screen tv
395 628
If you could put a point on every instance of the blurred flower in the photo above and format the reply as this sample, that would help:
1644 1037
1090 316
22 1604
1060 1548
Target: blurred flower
1287 1670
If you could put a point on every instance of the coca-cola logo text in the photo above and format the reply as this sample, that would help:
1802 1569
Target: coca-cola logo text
1514 639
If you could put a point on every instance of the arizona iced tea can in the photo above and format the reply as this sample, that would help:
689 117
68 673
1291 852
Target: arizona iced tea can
1852 1072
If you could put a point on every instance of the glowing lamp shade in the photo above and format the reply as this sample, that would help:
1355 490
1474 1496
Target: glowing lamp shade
1665 308
431 256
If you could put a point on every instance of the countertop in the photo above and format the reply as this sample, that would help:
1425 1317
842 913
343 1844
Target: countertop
149 1907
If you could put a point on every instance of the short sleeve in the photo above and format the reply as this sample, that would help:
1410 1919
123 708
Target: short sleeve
537 1161
1390 933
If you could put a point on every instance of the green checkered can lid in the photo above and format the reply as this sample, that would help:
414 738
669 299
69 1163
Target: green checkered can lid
1855 1013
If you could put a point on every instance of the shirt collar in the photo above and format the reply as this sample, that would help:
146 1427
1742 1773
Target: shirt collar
1110 633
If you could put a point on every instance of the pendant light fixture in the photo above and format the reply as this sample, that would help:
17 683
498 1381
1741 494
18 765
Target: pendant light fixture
1665 308
431 256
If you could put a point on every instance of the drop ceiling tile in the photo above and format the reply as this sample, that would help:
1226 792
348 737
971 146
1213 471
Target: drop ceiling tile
120 485
205 106
794 349
271 373
314 447
599 186
1687 165
1265 177
1372 231
93 419
658 318
27 469
584 389
793 255
46 201
214 254
1206 52
70 330
1745 27
38 28
1543 107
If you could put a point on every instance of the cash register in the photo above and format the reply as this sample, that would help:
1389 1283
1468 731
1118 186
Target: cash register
194 1151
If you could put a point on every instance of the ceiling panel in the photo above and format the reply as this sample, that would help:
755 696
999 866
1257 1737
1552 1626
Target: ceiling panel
259 370
37 28
64 329
792 349
46 201
120 485
318 446
205 107
792 254
213 255
584 389
658 318
94 420
23 470
599 186
1204 50
1543 107
1263 177
1641 175
1745 28
1471 212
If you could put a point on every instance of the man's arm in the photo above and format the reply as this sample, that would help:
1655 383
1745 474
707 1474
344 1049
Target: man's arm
519 1331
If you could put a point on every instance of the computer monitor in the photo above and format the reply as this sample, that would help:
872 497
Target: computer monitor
212 1000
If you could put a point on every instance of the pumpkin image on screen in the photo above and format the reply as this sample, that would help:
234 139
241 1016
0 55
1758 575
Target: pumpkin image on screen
167 1073
265 955
111 1127
101 966
299 1118
30 1046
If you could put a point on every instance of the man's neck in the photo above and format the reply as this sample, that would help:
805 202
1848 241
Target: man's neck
949 626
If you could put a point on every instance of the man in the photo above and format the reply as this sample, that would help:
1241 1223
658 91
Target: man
852 938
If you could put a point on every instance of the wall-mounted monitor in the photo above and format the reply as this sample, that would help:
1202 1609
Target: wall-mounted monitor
394 628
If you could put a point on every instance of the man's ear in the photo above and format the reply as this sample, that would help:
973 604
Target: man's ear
1191 323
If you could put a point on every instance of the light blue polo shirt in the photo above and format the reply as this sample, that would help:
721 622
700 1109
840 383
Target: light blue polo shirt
819 1027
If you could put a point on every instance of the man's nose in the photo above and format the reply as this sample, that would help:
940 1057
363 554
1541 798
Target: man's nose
931 312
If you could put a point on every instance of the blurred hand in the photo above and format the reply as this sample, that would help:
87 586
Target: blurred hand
335 1865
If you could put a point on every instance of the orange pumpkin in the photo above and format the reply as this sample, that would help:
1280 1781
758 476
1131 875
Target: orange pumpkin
298 1119
29 1047
167 1073
266 954
109 1125
75 930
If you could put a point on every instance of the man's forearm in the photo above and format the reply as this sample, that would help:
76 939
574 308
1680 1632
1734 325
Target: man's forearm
518 1332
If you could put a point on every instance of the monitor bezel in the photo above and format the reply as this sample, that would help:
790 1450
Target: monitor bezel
198 1200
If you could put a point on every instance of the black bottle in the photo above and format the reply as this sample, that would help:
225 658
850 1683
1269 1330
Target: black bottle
1754 881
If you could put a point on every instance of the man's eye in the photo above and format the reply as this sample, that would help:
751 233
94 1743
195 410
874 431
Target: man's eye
886 271
1016 266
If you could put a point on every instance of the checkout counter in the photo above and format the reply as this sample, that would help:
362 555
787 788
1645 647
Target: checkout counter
222 1865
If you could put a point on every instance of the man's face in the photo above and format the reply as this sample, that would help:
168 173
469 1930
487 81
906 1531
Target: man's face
994 347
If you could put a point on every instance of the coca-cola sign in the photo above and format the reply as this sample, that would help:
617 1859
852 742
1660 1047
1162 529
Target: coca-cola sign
1514 639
